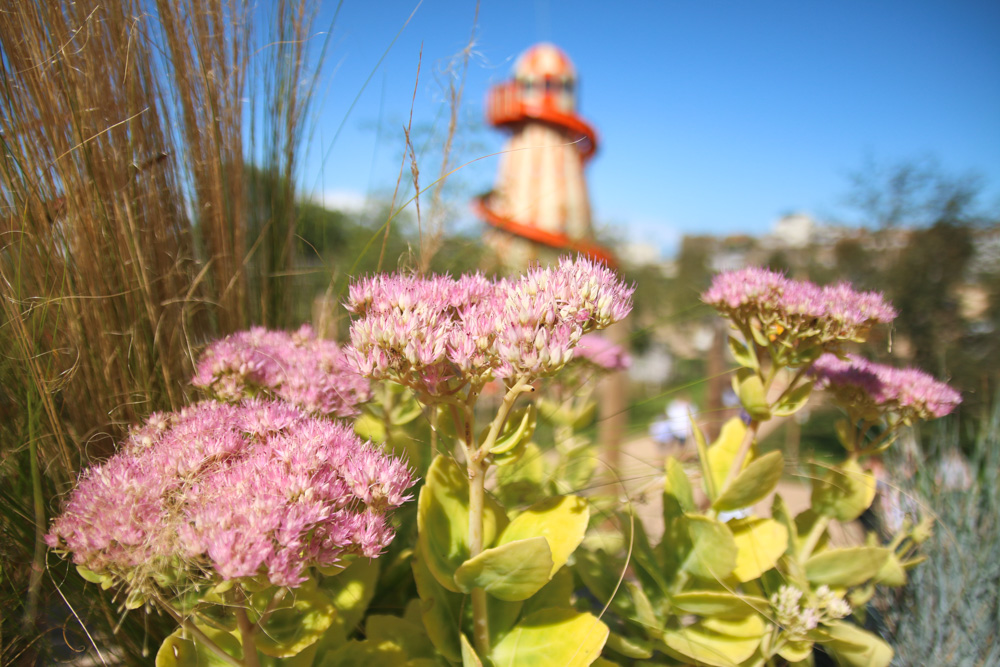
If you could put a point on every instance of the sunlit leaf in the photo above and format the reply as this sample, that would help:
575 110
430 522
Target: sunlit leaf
760 543
561 520
289 630
552 638
713 550
512 571
843 492
753 484
443 520
853 647
180 649
841 568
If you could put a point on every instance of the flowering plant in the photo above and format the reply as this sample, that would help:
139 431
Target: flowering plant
299 368
220 510
727 584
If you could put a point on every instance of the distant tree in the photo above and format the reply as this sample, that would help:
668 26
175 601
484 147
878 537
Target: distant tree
914 192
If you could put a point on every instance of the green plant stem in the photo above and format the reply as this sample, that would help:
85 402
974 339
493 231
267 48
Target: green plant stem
247 632
812 539
477 464
477 502
200 635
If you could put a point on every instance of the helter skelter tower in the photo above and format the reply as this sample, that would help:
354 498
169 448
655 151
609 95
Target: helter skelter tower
539 207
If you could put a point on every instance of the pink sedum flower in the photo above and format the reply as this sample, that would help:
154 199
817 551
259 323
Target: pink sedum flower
298 367
796 314
228 491
604 354
909 392
438 334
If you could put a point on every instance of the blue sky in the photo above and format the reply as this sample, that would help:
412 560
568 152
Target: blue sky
714 117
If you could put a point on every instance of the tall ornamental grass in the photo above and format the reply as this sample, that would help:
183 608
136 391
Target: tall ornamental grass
124 245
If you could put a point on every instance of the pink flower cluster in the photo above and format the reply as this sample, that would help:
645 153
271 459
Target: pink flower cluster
225 491
437 334
297 367
602 353
794 310
908 392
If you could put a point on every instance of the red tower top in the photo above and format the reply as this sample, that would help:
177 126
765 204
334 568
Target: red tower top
543 89
540 199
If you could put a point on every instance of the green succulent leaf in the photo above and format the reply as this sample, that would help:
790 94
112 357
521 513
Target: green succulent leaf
180 649
753 397
561 520
717 603
290 630
853 647
630 647
743 354
441 610
723 451
552 638
892 573
513 571
716 642
350 592
469 657
443 520
844 492
841 568
713 550
796 651
409 636
517 430
793 401
557 593
677 484
753 484
760 543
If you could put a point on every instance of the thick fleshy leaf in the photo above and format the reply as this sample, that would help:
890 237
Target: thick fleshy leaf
713 550
843 492
717 603
469 657
443 520
180 649
645 615
441 610
892 573
630 647
350 592
517 430
760 543
753 484
557 593
677 484
796 651
780 513
722 452
716 643
513 571
289 630
853 647
743 354
793 401
365 653
552 638
753 397
841 568
409 636
561 520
